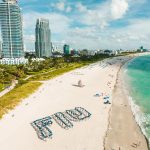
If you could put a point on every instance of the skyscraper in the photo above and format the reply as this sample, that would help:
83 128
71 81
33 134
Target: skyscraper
11 29
66 49
0 49
43 46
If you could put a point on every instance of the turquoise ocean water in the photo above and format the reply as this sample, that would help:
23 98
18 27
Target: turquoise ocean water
137 75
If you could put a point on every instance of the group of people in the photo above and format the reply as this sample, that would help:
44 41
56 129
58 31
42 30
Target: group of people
63 119
105 98
77 114
41 127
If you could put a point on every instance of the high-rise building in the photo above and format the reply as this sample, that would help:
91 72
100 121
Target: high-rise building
0 49
43 46
66 49
11 29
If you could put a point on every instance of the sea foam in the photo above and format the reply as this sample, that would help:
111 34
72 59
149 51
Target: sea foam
139 116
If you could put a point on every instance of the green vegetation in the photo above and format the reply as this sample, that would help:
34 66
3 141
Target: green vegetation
12 99
36 71
10 73
55 72
47 68
1 87
62 65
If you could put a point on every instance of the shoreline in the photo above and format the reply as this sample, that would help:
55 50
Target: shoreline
126 88
133 113
118 134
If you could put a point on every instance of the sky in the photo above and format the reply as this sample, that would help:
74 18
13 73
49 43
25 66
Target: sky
91 24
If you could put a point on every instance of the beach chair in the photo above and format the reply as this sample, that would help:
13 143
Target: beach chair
97 95
107 102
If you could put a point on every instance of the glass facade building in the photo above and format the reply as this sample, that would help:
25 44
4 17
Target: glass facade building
66 49
43 45
11 29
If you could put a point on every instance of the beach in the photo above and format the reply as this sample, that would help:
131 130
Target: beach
123 132
62 93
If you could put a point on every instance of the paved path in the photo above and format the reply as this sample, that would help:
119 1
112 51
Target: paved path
16 82
8 89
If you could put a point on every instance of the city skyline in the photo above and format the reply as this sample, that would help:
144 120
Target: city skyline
96 24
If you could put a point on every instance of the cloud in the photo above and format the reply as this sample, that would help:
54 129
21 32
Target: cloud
58 23
118 8
60 6
95 26
29 41
29 38
102 14
94 17
68 9
87 32
81 8
132 36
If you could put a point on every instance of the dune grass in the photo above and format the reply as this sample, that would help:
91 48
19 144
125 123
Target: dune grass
1 87
14 97
55 73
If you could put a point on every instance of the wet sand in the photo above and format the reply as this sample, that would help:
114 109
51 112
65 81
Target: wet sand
123 132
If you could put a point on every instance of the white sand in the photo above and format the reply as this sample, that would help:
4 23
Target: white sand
58 95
